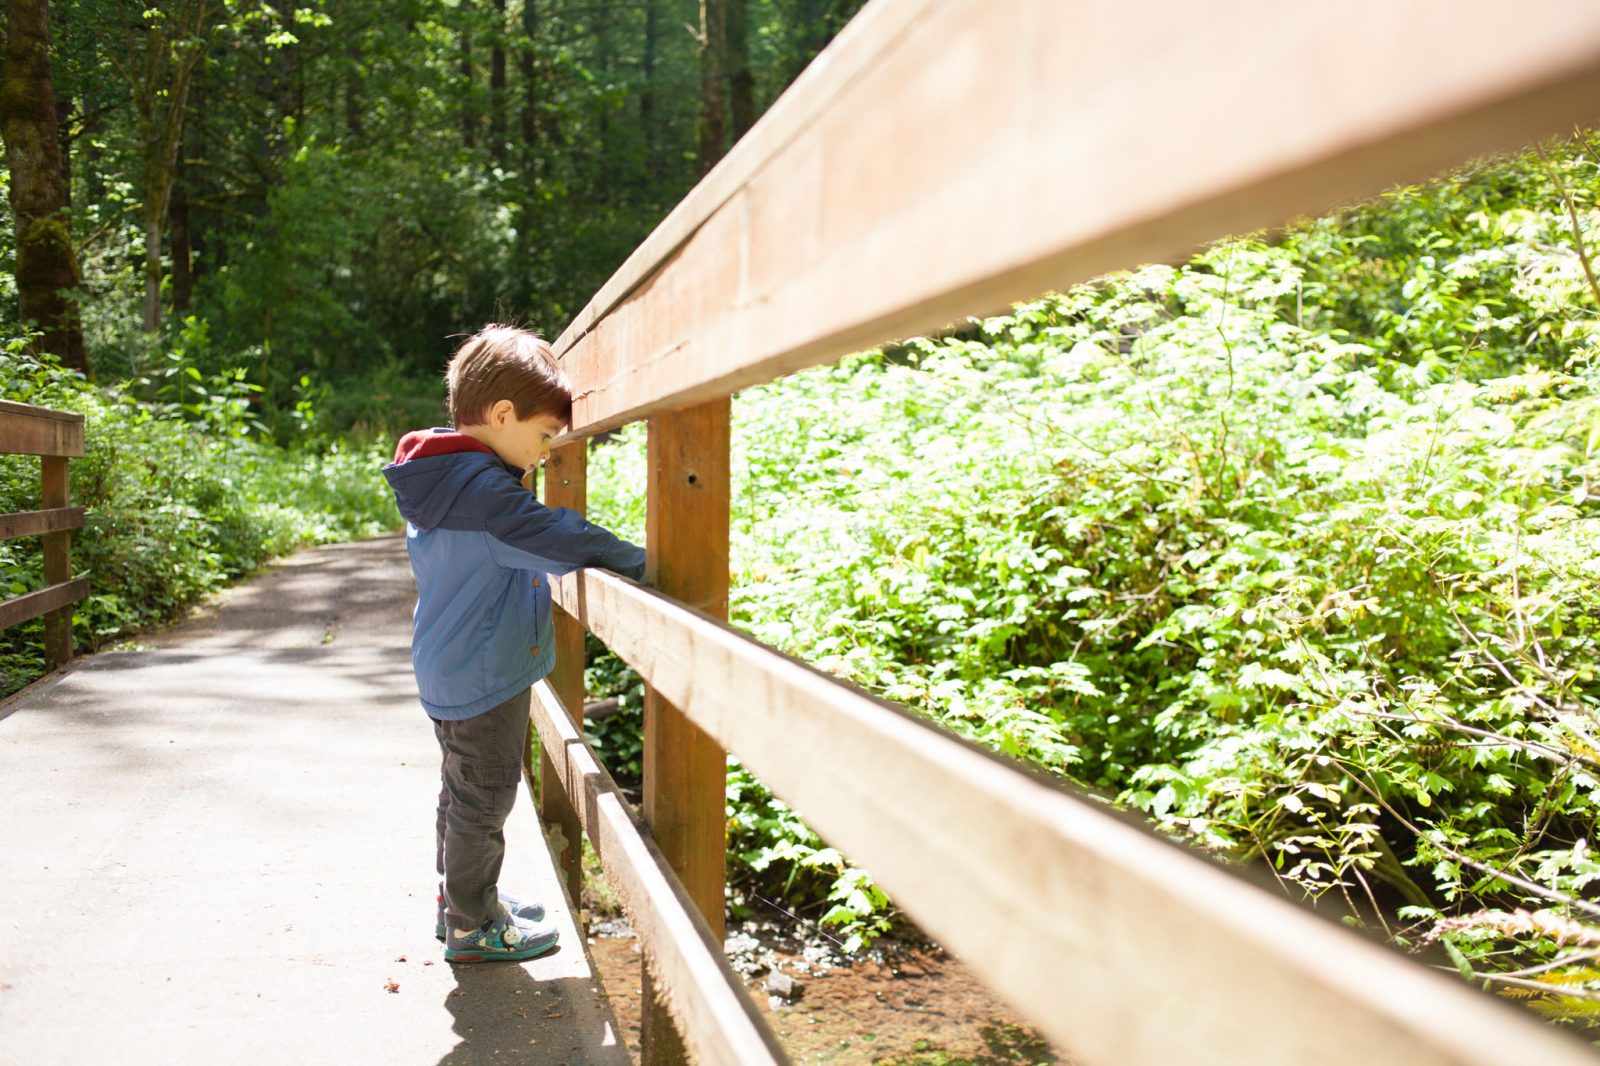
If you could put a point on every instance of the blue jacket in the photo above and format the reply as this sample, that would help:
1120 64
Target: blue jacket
481 548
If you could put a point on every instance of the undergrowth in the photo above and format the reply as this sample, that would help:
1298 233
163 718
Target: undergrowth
179 500
1294 547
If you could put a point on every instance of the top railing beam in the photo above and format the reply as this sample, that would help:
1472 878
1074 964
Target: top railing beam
29 430
943 158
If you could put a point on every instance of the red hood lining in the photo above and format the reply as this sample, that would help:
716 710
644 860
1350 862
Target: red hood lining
422 443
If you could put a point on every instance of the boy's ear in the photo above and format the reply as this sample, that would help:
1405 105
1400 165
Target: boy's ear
502 412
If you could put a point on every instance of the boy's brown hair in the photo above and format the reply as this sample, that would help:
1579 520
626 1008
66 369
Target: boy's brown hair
506 363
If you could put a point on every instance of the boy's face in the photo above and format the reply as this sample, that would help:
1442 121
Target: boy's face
520 442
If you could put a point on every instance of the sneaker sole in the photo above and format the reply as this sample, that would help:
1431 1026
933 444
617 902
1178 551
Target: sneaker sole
537 916
496 956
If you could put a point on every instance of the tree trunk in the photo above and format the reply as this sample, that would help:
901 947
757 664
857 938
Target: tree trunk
94 178
46 265
182 253
152 270
161 83
741 83
190 249
497 86
647 95
187 182
91 154
64 138
711 130
469 111
530 90
528 216
604 56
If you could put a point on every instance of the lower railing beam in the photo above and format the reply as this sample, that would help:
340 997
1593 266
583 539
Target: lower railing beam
723 1026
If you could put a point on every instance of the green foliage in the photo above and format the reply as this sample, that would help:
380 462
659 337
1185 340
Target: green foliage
618 739
180 499
356 188
1294 547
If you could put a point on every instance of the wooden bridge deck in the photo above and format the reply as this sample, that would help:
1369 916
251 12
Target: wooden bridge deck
219 847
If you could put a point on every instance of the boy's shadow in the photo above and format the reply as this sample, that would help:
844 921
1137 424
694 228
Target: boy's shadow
500 1013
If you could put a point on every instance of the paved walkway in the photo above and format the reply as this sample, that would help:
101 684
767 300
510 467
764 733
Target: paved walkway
219 848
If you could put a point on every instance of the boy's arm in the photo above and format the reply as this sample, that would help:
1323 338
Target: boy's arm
527 535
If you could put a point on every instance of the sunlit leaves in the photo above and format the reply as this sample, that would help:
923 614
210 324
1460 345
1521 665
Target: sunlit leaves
1294 548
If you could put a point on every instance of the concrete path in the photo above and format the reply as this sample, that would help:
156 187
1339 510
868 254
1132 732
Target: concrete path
219 848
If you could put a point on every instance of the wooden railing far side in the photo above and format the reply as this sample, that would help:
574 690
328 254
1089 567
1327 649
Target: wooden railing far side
54 436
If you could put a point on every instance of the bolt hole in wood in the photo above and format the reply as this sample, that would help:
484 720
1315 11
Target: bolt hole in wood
694 479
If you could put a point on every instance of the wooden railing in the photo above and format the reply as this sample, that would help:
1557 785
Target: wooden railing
941 159
54 436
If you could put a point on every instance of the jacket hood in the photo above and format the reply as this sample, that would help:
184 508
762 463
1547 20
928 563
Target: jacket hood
431 468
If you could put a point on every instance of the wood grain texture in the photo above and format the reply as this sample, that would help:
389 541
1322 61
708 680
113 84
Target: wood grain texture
1123 947
889 193
685 772
707 999
34 523
566 485
52 597
29 430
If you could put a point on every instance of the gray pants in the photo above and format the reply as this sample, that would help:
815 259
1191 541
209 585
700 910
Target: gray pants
482 767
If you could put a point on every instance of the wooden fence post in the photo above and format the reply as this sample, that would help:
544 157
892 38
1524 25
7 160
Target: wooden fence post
57 562
566 481
685 772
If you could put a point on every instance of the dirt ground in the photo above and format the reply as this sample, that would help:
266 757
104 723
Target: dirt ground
907 1005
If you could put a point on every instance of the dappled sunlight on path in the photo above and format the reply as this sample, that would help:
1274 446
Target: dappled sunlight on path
219 847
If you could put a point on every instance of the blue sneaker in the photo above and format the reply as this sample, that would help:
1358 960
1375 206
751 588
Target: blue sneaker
498 939
510 907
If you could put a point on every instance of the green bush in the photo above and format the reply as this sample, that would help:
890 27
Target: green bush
1294 547
178 503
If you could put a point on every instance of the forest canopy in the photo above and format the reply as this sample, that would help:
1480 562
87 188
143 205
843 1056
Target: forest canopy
330 192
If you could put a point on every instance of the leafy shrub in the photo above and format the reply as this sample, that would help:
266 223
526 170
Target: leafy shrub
178 503
1293 547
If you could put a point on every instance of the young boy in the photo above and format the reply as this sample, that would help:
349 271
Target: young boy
481 549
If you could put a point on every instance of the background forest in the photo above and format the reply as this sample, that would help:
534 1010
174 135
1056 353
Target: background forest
271 220
329 191
1294 546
